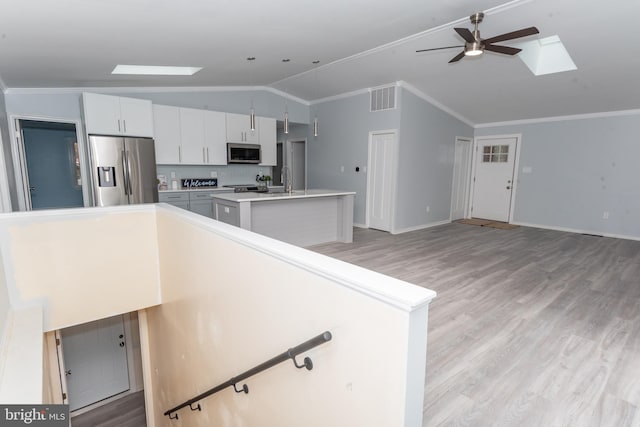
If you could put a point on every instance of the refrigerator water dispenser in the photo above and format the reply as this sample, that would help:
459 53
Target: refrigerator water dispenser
106 176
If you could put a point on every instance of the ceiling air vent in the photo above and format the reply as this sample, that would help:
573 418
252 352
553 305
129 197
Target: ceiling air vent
383 98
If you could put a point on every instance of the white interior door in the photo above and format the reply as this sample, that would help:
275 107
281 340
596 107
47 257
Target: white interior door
493 186
95 359
382 152
461 178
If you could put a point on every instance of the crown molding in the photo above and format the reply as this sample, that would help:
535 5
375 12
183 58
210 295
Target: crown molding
587 116
417 92
139 89
340 96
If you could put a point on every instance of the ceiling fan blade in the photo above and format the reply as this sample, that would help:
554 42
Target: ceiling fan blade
466 34
458 57
513 35
437 48
502 49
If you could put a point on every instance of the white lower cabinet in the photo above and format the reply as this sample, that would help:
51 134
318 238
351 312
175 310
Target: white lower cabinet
200 202
175 198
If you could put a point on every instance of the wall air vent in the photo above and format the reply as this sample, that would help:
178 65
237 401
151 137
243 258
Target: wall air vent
383 98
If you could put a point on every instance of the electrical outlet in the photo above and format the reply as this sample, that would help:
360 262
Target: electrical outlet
605 215
428 209
173 175
341 169
214 174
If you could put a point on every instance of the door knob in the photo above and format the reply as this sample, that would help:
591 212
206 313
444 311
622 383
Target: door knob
121 344
67 372
508 188
120 336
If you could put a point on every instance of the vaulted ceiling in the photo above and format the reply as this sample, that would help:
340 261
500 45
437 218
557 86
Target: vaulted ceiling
359 43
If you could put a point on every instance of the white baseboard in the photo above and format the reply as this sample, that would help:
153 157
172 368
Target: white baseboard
355 224
577 230
420 227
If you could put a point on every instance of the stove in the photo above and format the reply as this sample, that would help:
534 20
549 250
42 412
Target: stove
243 188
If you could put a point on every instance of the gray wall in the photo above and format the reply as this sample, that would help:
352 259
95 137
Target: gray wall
426 141
343 140
425 163
5 138
580 169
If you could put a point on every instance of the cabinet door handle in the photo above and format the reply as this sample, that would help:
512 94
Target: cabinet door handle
119 126
179 154
207 154
124 124
204 160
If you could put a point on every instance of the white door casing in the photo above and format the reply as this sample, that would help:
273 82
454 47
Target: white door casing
95 359
461 178
495 160
20 165
381 180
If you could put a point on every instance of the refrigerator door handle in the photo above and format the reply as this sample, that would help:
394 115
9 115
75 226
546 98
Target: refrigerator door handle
126 172
129 175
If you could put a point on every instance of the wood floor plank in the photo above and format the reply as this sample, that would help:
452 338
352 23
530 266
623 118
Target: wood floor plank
530 327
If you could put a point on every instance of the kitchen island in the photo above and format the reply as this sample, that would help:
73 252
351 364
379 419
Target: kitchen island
302 217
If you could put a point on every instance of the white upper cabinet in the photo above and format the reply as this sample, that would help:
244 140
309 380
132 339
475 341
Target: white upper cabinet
192 136
189 136
267 131
166 128
239 129
114 115
215 138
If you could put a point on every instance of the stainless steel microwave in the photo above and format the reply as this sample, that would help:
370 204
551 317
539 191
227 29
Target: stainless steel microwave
243 153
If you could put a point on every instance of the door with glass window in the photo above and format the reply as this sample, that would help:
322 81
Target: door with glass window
494 175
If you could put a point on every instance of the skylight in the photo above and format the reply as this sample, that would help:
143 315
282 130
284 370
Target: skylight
546 56
155 70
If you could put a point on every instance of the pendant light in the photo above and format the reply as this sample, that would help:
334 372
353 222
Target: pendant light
286 119
252 113
315 118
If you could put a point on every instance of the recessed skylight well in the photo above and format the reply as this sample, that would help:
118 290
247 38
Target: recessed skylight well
546 56
155 70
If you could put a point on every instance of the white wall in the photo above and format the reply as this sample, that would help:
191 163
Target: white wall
81 264
579 170
232 300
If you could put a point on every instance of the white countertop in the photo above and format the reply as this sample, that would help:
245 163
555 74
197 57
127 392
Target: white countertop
298 194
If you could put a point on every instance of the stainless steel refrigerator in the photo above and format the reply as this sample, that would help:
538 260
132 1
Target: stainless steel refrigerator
123 170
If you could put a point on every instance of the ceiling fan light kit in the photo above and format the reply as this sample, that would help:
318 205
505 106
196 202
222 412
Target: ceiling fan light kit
476 45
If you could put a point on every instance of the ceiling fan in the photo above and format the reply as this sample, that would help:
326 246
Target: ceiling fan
475 45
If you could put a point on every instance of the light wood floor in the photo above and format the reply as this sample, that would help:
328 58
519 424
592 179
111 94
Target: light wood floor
125 412
530 327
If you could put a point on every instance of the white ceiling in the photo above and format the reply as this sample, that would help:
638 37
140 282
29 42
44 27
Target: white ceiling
360 43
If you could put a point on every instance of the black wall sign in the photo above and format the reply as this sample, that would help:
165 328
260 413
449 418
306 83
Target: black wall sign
199 182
